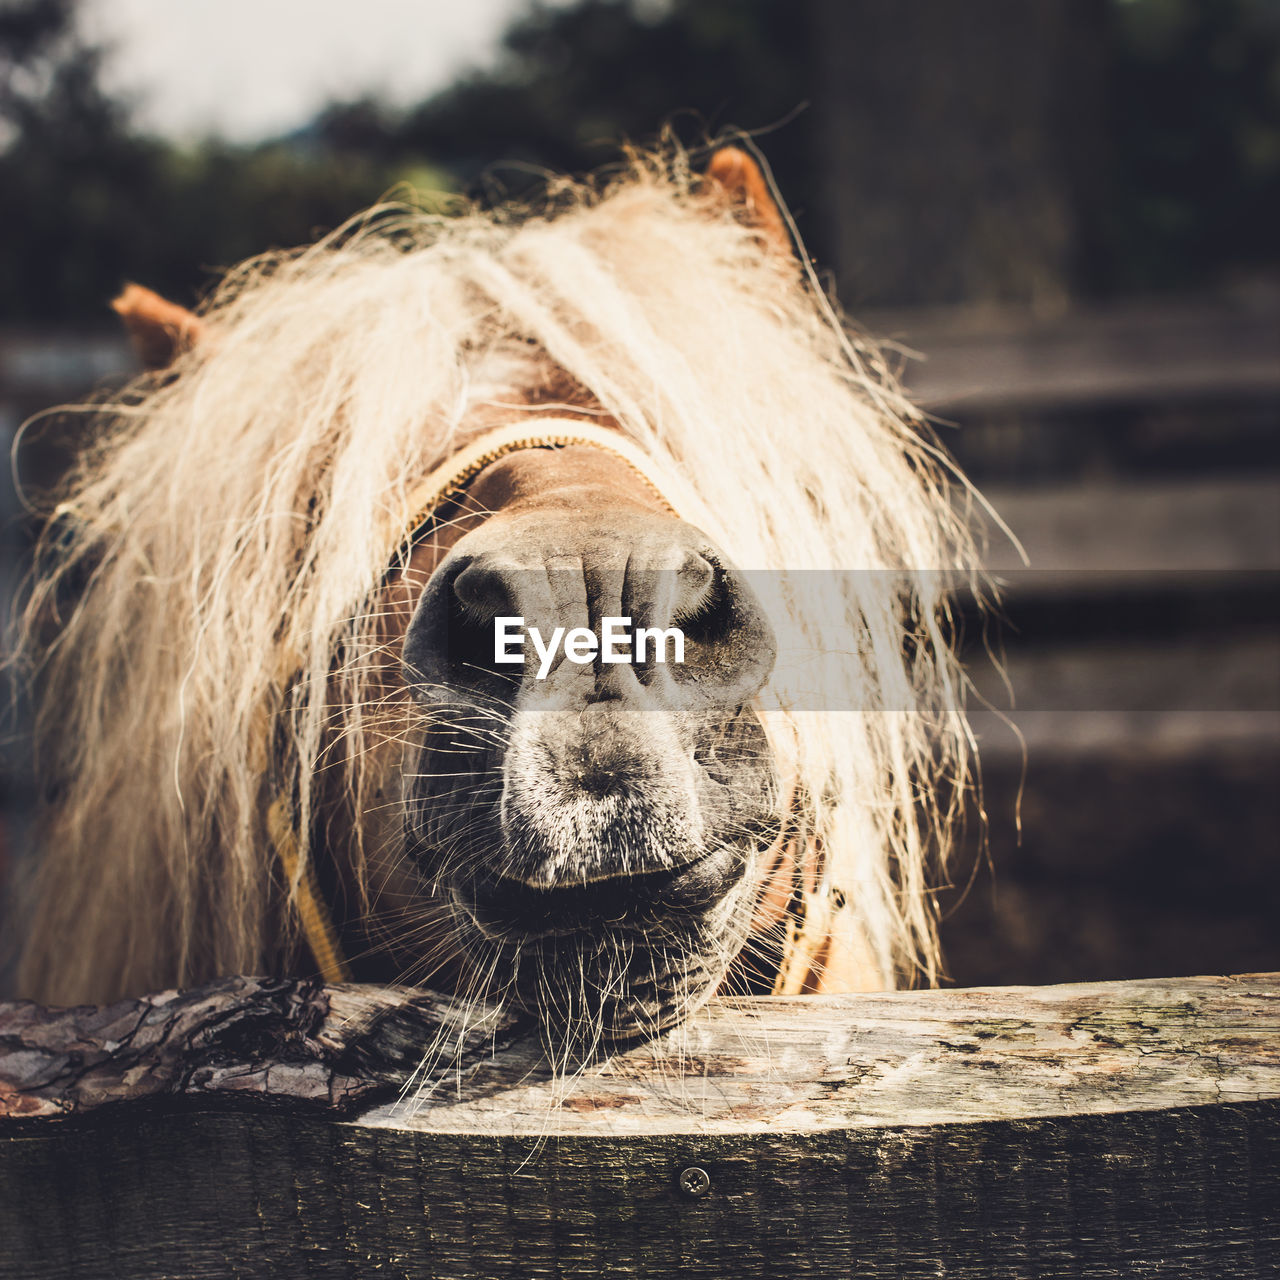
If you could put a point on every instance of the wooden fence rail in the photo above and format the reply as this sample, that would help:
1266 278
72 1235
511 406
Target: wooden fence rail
257 1128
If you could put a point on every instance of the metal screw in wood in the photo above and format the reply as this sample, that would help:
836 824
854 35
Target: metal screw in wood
694 1182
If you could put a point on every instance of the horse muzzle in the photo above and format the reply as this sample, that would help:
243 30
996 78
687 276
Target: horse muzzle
597 830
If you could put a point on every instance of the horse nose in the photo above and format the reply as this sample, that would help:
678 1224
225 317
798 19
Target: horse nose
590 627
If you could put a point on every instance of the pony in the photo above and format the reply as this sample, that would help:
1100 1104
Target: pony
272 729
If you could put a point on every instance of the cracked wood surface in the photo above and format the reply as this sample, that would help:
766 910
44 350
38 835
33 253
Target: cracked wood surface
1107 1130
917 1057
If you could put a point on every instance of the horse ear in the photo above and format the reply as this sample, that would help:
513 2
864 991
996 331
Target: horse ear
159 330
737 177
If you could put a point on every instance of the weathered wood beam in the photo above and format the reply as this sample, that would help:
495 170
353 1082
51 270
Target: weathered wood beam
1107 1130
296 1043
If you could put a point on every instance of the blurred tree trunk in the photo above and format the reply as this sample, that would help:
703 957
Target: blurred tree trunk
961 144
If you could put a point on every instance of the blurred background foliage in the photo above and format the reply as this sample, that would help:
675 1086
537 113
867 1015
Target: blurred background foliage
933 153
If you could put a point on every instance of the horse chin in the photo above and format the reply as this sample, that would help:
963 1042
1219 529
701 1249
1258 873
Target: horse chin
593 990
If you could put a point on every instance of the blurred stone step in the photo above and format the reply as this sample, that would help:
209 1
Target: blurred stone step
1188 526
1228 671
982 361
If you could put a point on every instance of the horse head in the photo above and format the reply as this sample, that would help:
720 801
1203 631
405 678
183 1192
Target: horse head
413 623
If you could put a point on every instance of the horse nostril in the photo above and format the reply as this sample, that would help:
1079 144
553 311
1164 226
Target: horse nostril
483 591
695 580
729 644
449 645
703 597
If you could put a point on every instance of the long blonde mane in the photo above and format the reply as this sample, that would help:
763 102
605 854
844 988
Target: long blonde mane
236 509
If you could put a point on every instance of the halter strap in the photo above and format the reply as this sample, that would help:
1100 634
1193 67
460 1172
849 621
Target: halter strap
447 483
449 480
